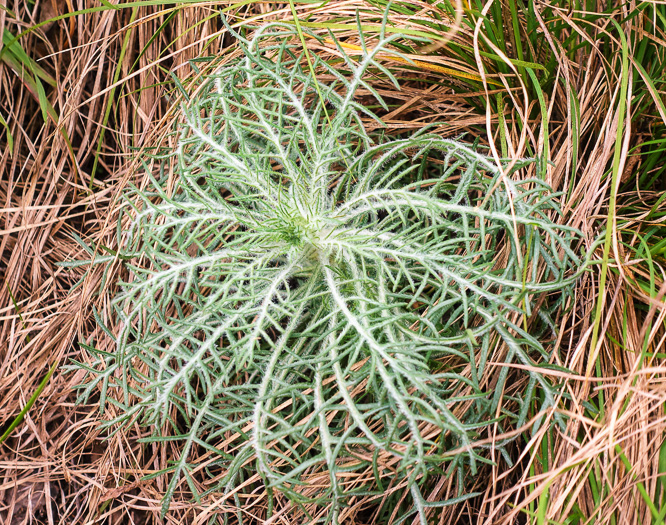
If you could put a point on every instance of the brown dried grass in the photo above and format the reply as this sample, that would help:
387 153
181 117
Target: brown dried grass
58 468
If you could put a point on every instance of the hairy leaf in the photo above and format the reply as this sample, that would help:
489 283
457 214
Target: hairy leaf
306 298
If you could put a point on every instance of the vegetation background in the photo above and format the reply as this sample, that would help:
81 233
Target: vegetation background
86 84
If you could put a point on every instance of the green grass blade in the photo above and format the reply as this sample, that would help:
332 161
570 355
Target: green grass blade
19 418
622 101
10 138
109 105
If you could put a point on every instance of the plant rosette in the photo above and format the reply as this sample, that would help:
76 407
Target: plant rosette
309 301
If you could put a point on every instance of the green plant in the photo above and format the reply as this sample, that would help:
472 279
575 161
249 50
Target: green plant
306 297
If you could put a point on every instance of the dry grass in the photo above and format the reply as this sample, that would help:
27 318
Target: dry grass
57 468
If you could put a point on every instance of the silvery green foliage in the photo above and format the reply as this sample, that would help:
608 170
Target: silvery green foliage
323 300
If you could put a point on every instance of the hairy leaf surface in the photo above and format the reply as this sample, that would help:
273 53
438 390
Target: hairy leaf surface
307 298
